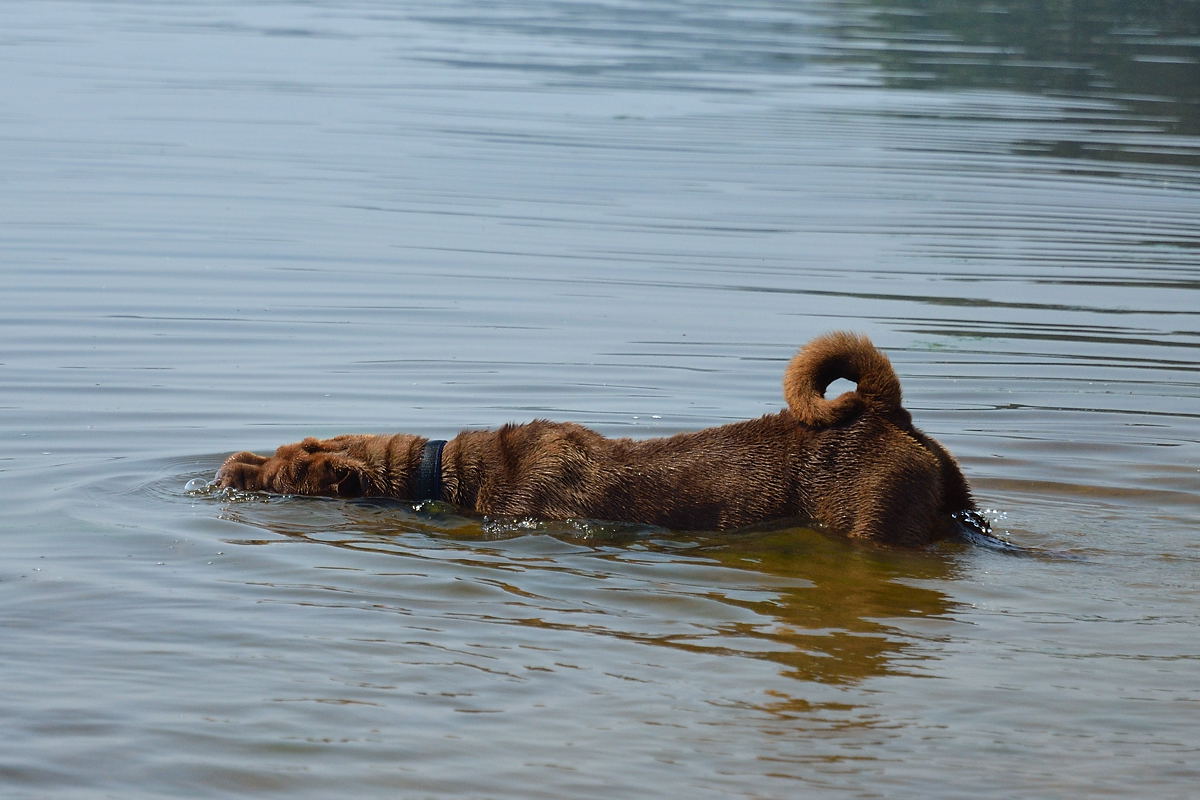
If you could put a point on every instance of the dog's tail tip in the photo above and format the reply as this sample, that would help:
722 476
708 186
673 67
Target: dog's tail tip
840 355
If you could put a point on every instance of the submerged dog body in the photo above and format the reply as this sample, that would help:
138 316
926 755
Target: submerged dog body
854 463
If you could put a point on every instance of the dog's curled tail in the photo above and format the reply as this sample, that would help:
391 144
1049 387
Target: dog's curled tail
840 355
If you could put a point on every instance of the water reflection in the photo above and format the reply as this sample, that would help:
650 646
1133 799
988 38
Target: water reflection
1132 68
845 626
1143 56
822 609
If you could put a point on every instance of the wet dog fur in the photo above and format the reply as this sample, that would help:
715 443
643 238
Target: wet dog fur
855 464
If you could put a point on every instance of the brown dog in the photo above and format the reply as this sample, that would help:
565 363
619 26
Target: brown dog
855 464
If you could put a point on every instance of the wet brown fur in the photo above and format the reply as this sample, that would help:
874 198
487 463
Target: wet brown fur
854 463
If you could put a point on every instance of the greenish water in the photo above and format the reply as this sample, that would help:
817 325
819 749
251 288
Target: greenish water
226 226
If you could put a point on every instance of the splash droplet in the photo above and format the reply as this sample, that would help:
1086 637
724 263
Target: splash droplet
197 486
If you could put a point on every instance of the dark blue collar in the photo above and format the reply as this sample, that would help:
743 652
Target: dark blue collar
427 481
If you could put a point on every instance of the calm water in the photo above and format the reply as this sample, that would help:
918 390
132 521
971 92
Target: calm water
230 225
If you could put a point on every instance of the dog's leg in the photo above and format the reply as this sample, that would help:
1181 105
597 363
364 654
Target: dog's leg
336 467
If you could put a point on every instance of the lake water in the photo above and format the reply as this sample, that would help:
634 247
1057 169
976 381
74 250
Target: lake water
229 225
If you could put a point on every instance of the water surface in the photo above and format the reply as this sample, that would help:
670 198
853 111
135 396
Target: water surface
230 225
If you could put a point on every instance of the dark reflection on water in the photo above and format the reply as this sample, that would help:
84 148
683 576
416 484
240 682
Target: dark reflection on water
1106 47
1141 56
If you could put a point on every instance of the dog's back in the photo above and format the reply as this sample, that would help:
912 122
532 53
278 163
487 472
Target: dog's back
854 463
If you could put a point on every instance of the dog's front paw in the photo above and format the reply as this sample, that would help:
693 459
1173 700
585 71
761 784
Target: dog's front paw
242 471
310 467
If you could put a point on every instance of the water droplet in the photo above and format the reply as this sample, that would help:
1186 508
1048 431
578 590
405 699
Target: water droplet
196 486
